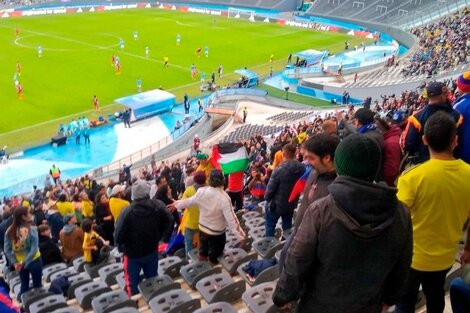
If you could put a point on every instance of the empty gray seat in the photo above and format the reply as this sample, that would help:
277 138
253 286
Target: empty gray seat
220 287
77 281
174 301
259 298
257 233
51 269
267 247
79 264
70 271
69 309
232 258
120 280
171 266
14 281
87 292
33 295
267 275
155 286
250 215
232 242
218 307
113 300
9 275
108 273
194 272
255 222
48 304
125 310
92 270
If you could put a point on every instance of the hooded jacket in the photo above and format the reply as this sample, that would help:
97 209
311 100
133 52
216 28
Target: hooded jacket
351 253
71 237
280 186
141 226
392 155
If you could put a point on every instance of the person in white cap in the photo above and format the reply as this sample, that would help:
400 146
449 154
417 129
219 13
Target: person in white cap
117 202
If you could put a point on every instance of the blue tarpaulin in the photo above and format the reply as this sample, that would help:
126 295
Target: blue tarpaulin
148 103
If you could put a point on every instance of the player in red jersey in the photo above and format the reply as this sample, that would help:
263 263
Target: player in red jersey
17 31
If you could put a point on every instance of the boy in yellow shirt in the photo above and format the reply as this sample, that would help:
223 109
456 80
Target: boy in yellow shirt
90 247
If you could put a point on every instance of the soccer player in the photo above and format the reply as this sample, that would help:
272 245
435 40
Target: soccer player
220 70
135 34
147 51
39 51
96 103
198 52
19 91
206 51
118 68
139 84
271 58
203 77
165 61
121 43
113 60
18 68
17 31
193 71
178 39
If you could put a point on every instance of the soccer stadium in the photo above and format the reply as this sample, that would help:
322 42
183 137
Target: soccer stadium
235 156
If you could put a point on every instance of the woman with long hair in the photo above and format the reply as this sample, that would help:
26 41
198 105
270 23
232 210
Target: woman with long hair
22 249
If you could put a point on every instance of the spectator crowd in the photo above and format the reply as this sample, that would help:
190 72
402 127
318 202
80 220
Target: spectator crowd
443 45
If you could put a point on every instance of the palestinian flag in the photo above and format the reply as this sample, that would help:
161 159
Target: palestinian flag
229 157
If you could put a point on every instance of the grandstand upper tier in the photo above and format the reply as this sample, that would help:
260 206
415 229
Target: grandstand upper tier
278 5
402 13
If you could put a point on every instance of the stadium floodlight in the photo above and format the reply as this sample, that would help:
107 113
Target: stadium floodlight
241 14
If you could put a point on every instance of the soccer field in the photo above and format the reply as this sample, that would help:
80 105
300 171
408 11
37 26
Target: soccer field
77 51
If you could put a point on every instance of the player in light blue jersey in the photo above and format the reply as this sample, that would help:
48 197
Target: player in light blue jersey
206 51
39 51
178 39
139 84
147 51
135 34
121 43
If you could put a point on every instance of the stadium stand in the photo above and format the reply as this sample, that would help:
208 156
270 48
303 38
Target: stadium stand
394 12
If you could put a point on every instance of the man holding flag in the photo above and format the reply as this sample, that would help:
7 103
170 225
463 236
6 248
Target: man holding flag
232 159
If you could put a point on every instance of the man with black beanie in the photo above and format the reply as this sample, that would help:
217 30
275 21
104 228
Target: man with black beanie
138 231
352 250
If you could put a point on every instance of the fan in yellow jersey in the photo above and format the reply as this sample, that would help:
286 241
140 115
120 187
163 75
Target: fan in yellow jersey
437 194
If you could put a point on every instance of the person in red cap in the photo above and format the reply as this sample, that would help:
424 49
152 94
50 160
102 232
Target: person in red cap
462 105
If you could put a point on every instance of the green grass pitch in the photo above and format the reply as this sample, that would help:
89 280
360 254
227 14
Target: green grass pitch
77 51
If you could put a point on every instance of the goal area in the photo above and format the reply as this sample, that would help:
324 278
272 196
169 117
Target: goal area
241 14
